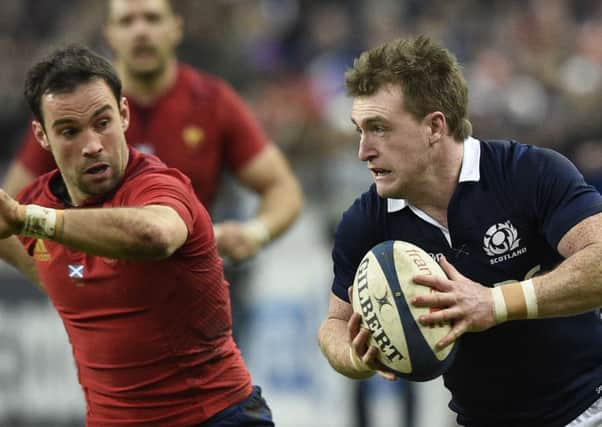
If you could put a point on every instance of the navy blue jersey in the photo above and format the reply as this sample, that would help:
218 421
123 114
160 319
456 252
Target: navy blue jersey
512 206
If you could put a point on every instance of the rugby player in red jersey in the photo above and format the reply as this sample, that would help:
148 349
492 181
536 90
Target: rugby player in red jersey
192 121
126 253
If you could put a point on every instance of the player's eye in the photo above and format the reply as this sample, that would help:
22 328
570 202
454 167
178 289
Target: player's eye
153 18
103 124
125 21
379 130
69 132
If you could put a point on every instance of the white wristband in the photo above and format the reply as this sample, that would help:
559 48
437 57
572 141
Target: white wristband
39 222
530 298
259 231
499 305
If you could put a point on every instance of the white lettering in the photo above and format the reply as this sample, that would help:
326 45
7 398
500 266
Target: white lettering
506 257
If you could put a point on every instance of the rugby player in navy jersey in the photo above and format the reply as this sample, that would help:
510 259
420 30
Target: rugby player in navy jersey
515 227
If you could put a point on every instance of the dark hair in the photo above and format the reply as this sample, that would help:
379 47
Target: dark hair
65 69
429 76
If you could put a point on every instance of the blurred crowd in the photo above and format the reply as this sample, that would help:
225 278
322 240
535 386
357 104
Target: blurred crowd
534 67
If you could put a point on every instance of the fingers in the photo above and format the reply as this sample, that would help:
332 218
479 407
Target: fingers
234 242
449 269
389 376
438 283
434 282
456 332
360 345
441 316
435 300
369 358
359 338
353 326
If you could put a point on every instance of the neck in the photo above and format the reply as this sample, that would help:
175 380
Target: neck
146 90
441 181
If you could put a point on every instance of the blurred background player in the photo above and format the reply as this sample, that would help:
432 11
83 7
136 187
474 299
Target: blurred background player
127 255
194 122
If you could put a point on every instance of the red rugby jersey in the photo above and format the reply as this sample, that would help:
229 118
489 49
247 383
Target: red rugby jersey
199 126
151 340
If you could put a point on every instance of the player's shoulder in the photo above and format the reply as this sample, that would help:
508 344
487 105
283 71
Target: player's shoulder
515 152
38 191
199 82
144 167
510 160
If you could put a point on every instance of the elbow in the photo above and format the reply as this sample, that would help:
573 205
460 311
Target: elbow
158 242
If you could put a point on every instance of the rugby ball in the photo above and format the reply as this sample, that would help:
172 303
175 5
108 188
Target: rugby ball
382 291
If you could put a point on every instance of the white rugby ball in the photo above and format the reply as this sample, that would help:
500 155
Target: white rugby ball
382 291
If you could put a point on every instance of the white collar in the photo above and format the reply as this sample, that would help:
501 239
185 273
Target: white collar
468 172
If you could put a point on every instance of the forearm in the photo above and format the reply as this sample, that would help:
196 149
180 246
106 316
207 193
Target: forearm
127 233
337 350
574 287
281 198
280 205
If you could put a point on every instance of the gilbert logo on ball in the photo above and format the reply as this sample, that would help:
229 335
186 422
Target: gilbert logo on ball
382 291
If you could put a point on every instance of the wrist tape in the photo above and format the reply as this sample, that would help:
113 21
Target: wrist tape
39 222
259 231
515 301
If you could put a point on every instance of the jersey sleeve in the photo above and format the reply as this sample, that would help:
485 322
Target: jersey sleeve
359 230
243 135
31 155
165 188
562 197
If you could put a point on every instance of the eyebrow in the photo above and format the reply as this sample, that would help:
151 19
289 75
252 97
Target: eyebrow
67 120
369 121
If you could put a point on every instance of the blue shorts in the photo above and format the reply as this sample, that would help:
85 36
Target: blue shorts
251 412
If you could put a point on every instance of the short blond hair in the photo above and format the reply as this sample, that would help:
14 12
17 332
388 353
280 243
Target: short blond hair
428 75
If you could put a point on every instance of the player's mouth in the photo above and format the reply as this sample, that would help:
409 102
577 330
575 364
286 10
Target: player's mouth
97 169
380 173
144 51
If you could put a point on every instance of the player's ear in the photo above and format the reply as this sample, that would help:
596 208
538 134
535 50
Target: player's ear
40 134
436 126
124 113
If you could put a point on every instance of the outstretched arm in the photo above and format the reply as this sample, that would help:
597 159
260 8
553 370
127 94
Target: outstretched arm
150 232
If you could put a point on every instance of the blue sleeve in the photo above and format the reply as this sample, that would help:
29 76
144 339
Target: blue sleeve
562 197
360 229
